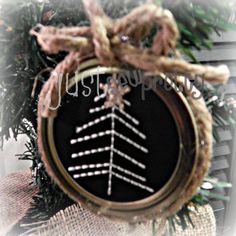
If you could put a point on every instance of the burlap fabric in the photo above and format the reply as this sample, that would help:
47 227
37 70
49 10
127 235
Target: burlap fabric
203 221
15 199
16 195
75 220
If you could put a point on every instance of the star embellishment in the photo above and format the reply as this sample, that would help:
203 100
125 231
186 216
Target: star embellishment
114 93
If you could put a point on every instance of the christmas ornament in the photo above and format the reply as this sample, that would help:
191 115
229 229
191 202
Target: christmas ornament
118 153
130 152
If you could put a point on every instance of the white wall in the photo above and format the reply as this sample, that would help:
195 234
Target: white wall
9 163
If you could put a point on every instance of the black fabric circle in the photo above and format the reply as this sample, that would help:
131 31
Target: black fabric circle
156 122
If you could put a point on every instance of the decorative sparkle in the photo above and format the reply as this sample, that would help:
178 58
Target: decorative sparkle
207 186
124 38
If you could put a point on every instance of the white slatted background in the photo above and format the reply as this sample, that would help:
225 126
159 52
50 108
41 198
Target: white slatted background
224 165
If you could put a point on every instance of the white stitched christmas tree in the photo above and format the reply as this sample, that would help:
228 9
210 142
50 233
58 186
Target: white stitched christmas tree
113 92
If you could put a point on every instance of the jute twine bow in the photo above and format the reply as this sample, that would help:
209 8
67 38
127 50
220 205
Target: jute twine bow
117 42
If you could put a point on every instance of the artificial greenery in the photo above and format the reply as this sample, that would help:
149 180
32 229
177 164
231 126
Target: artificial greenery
22 60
